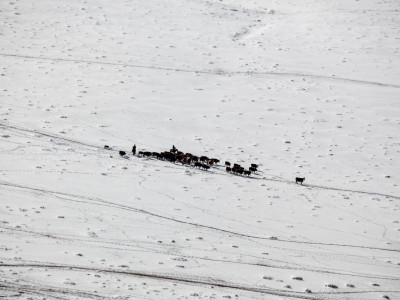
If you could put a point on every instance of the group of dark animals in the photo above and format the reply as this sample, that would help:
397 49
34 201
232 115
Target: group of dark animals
201 162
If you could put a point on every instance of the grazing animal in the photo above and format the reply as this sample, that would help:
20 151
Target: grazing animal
197 164
214 160
122 153
106 147
247 173
227 163
236 166
195 158
228 169
254 166
252 169
299 179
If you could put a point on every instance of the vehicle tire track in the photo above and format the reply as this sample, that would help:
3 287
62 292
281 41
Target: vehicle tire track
204 71
99 201
195 280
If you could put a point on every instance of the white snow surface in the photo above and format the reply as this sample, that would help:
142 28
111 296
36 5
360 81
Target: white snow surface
302 88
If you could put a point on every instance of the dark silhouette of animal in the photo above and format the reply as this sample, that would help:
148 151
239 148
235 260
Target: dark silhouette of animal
248 173
228 169
195 158
252 169
236 166
122 153
214 160
205 167
203 158
227 163
254 166
300 180
147 153
140 153
197 165
238 170
106 147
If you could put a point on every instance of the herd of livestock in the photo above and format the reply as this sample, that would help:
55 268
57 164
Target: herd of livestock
201 162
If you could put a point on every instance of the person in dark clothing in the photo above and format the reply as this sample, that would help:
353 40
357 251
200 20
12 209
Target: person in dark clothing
134 149
174 149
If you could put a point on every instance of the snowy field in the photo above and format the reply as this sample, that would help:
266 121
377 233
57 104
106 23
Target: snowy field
301 88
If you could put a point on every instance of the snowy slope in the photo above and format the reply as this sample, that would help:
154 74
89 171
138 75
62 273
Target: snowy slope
308 89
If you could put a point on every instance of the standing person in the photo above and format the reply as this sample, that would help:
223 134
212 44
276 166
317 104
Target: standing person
174 149
134 149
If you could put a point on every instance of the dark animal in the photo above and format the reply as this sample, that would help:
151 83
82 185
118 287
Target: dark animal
236 166
227 163
214 160
195 158
300 180
197 164
228 169
106 147
122 153
252 169
247 173
140 153
254 166
147 153
203 158
205 167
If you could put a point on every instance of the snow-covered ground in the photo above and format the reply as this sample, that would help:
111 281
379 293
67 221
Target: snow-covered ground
301 88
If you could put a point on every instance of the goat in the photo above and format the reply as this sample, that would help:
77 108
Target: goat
299 179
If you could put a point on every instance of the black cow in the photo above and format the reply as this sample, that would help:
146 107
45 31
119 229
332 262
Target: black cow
300 180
